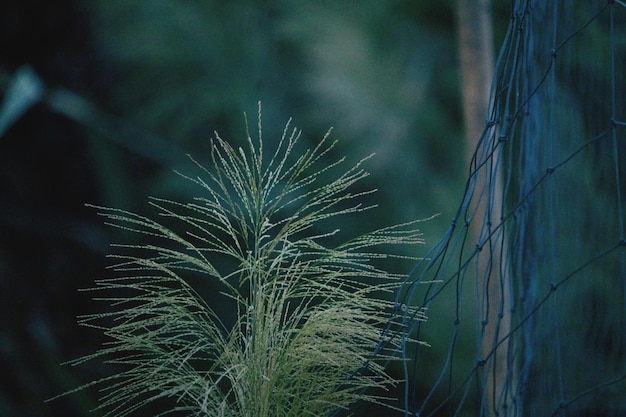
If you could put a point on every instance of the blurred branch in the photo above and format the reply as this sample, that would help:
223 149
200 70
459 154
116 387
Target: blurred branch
24 89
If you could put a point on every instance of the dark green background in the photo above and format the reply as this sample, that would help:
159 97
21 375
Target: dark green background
157 78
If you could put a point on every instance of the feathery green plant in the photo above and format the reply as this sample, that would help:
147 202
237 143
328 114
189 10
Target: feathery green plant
306 337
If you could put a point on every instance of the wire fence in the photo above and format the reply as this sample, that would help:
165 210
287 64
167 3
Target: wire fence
531 275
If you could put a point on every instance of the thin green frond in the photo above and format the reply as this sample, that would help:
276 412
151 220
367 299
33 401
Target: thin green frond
305 340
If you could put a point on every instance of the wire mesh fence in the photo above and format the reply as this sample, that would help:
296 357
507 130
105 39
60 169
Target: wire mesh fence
530 277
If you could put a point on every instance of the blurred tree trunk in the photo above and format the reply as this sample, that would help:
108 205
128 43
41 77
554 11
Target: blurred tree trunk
475 40
475 43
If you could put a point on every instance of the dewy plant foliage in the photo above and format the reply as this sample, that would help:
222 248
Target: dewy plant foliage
308 338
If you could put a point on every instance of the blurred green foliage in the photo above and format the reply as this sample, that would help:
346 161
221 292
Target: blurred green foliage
123 89
156 79
381 72
387 84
